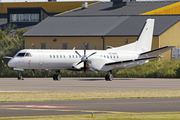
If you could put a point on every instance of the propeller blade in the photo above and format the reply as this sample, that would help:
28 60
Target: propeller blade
91 54
77 53
79 63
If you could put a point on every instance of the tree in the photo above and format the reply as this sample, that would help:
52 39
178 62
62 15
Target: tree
9 29
2 35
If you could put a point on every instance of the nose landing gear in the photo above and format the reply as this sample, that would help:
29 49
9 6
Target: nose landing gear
20 77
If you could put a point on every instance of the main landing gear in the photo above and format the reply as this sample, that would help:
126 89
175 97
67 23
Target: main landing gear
57 76
20 77
109 76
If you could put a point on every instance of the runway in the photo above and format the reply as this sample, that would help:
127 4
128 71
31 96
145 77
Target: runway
89 106
86 84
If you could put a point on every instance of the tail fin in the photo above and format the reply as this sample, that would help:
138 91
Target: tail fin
144 41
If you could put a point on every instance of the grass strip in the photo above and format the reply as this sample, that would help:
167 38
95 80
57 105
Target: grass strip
62 96
119 116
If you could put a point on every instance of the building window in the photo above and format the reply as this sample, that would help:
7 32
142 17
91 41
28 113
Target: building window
43 45
24 17
64 45
34 17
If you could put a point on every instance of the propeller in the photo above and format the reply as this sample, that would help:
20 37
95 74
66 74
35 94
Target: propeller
84 58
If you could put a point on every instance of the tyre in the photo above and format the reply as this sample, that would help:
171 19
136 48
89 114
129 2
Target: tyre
107 77
58 77
54 77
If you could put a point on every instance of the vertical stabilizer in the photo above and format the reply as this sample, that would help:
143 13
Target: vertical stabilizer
144 41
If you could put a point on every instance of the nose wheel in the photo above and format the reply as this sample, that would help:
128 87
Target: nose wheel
109 76
20 77
57 76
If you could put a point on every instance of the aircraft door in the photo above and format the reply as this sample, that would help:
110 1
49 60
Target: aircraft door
41 58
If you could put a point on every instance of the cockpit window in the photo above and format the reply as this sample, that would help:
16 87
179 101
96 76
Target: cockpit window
24 55
21 55
28 55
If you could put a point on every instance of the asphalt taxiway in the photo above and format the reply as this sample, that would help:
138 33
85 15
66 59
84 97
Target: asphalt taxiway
89 106
87 84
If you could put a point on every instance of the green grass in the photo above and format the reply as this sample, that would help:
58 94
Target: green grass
60 96
119 116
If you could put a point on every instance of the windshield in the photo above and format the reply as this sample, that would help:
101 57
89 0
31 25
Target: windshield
28 55
21 55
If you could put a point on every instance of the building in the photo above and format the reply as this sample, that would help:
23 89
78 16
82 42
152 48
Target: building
27 14
106 24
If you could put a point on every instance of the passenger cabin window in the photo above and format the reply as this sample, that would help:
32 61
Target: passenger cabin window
60 56
53 56
64 56
50 56
69 56
57 56
21 55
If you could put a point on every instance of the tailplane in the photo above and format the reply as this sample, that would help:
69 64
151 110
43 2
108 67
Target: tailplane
144 41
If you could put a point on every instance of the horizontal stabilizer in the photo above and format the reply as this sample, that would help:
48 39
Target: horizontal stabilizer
7 57
158 51
131 61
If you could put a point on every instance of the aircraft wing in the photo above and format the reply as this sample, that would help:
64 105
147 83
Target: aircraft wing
131 61
158 51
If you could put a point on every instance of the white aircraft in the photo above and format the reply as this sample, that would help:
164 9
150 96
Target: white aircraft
123 57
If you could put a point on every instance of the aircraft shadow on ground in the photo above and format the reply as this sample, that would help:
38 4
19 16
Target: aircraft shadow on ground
101 79
98 79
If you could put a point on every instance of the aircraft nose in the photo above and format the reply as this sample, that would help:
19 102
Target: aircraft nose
11 64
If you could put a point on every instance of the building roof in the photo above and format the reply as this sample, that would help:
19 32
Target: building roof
99 26
132 8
